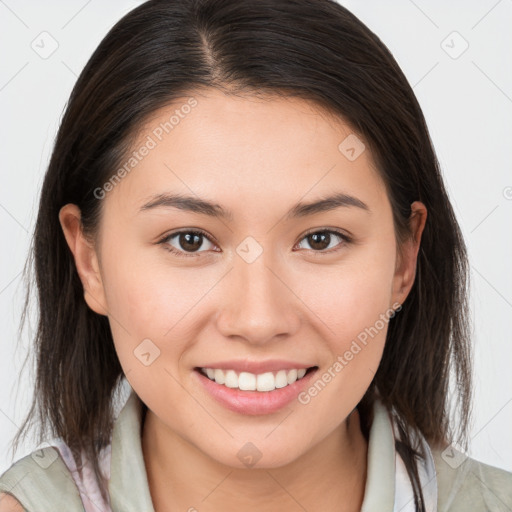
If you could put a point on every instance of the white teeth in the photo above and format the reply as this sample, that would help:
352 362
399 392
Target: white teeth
219 376
250 382
292 376
231 380
266 382
281 379
247 381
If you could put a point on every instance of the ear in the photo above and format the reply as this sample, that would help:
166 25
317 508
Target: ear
85 256
405 271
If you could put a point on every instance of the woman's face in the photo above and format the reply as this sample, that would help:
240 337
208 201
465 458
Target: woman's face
270 280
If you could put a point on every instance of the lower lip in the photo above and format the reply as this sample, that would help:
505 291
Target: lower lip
254 402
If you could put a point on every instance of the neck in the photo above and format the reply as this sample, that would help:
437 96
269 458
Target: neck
330 477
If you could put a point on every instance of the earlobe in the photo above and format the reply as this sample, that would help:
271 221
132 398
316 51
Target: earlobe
85 257
405 271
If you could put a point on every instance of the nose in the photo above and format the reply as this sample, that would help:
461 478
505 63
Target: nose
257 303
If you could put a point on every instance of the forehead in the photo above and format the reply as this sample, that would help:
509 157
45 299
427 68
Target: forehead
257 150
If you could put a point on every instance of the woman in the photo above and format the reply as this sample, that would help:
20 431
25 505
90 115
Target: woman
244 219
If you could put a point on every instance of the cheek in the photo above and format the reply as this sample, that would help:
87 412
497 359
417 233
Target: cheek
148 295
351 296
352 308
148 315
148 299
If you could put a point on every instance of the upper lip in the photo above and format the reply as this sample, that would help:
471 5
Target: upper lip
256 367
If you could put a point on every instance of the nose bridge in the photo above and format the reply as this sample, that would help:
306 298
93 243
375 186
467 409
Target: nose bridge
258 306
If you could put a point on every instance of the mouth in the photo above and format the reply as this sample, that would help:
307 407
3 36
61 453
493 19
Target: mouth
268 392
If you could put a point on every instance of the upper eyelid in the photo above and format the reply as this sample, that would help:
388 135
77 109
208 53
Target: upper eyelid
336 231
196 231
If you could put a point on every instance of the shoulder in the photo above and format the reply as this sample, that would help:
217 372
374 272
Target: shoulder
39 481
467 484
9 504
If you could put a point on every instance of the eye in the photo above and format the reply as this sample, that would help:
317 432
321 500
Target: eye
188 242
320 240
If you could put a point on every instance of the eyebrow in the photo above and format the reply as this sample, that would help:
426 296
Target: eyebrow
204 207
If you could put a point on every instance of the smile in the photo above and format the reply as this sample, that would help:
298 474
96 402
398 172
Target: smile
268 392
247 381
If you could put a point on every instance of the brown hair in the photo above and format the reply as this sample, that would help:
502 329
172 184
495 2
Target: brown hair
313 49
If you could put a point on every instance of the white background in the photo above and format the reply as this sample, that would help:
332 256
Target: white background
467 102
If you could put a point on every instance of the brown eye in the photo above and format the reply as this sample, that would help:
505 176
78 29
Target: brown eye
321 240
190 241
185 243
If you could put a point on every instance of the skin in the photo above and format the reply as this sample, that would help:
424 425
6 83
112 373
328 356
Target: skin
9 504
257 158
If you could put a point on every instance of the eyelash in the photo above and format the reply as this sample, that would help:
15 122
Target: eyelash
164 241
